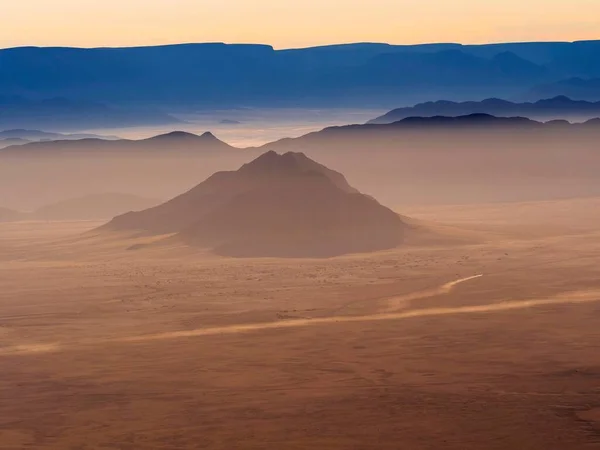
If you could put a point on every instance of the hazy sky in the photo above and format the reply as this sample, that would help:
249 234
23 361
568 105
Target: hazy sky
293 23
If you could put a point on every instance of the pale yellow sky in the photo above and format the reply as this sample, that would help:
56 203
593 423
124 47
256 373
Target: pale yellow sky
284 23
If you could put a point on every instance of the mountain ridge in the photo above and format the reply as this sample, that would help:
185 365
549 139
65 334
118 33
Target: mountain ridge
218 74
559 106
174 142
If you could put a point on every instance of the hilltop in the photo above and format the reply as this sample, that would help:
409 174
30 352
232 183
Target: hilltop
277 205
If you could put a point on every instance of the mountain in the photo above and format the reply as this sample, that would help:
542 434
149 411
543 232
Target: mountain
59 113
9 215
557 107
275 206
215 75
93 207
176 142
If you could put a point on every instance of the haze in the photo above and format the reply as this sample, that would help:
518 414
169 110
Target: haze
368 246
293 24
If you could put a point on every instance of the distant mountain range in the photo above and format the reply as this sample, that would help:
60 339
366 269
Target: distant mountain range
416 125
416 160
20 136
558 107
220 75
174 143
475 158
40 173
58 113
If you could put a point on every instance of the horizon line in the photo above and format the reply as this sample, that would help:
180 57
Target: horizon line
340 44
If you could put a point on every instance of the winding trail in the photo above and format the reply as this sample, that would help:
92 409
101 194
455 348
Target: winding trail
404 301
577 297
388 313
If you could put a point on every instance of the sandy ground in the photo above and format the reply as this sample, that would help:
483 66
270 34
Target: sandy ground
493 344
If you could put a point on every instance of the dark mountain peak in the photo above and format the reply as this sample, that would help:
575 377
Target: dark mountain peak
175 135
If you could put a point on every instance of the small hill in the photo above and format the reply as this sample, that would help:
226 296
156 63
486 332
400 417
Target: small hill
93 207
275 206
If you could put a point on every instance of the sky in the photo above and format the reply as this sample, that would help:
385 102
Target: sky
293 23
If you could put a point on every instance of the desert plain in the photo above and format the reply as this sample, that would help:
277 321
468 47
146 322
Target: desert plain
481 332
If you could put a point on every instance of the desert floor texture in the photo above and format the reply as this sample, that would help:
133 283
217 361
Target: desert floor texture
486 337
